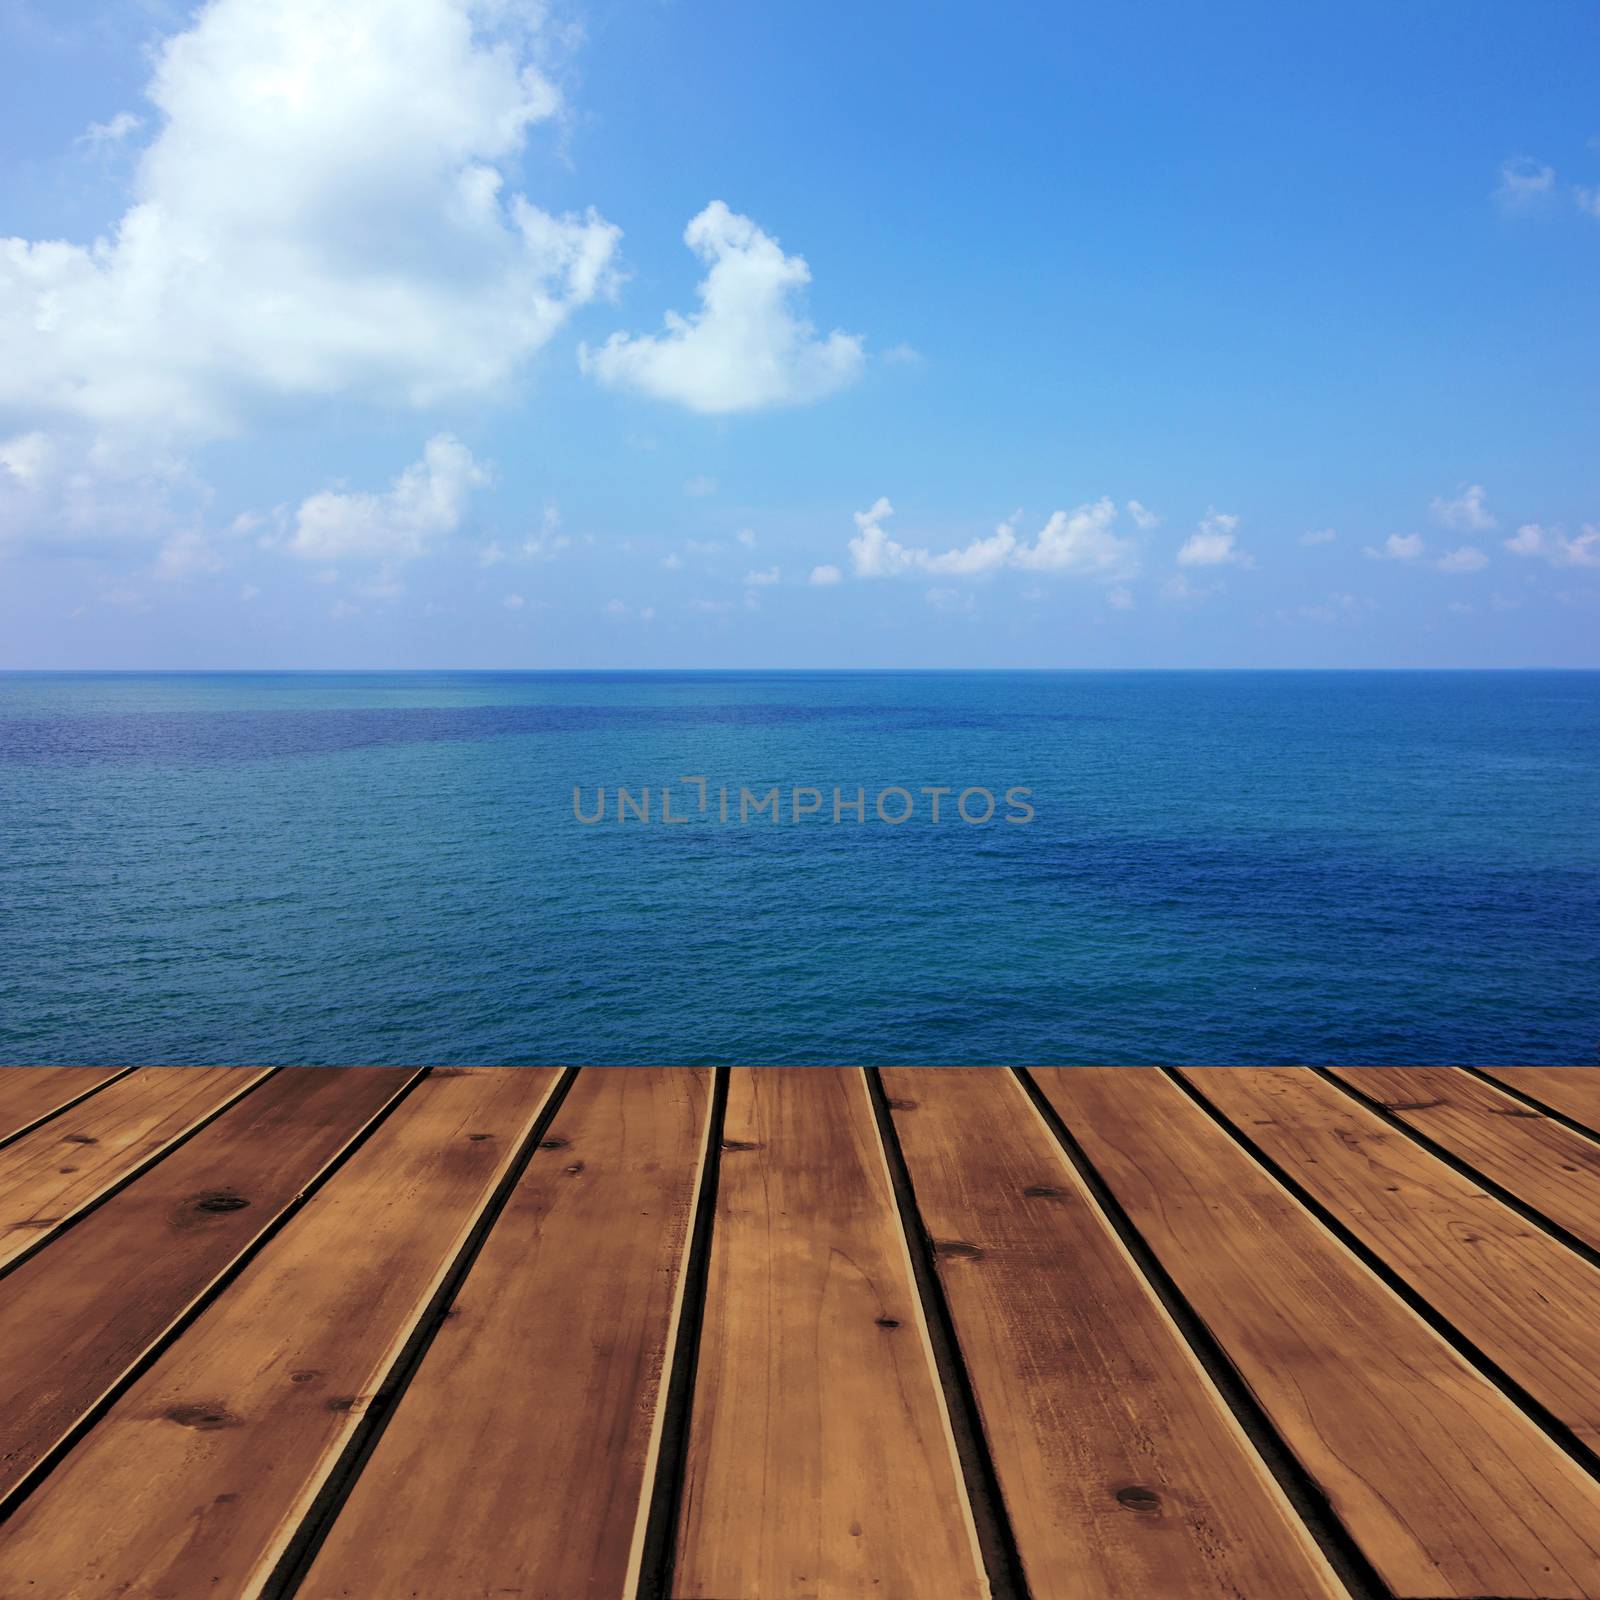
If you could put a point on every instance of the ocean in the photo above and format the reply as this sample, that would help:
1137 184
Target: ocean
1243 867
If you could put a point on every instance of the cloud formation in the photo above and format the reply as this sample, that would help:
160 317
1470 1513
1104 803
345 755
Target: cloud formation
1214 544
424 505
1081 542
1466 513
1552 545
321 212
1397 547
747 347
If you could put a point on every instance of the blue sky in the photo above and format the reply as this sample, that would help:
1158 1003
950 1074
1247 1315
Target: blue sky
1133 335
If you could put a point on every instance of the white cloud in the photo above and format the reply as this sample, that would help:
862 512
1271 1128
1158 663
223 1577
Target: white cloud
1080 542
424 505
1143 519
85 490
98 135
1467 513
700 486
746 347
1554 546
903 355
1179 589
1523 182
1318 536
1120 598
825 576
1397 547
1587 201
321 212
762 580
623 612
1467 559
672 562
746 536
1213 545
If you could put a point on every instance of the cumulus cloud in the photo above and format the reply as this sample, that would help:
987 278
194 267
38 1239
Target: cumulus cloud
1214 544
1469 558
747 347
699 486
1554 546
322 211
424 505
1082 542
1523 183
1466 513
1142 518
1397 547
95 492
762 580
825 576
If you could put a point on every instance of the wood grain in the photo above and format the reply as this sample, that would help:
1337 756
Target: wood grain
76 1317
1522 1297
49 1175
28 1093
196 1479
1539 1160
821 1462
1447 1488
535 1487
1573 1091
1122 1469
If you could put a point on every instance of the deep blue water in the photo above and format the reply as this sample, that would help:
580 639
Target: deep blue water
1250 867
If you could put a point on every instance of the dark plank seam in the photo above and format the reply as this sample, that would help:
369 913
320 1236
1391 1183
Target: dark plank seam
295 1562
672 1456
66 1105
1570 1123
88 1209
1464 1168
997 1542
48 1463
1560 1433
1304 1494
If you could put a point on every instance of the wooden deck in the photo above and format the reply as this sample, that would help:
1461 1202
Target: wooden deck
771 1334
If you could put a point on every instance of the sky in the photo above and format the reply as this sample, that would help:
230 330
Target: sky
490 334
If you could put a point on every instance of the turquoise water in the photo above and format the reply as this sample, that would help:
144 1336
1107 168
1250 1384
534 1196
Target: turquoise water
1252 867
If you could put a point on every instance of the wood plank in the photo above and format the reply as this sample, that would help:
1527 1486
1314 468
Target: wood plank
820 1458
28 1093
76 1318
561 1334
1448 1488
51 1174
197 1477
1573 1091
1539 1160
1521 1296
1122 1469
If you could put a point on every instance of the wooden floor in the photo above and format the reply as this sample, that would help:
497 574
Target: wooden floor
768 1334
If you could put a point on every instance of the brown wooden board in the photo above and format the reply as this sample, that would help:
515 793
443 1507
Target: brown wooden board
1573 1091
49 1175
821 1461
520 1460
1521 1296
1448 1488
76 1317
1122 1469
197 1478
29 1093
1532 1156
